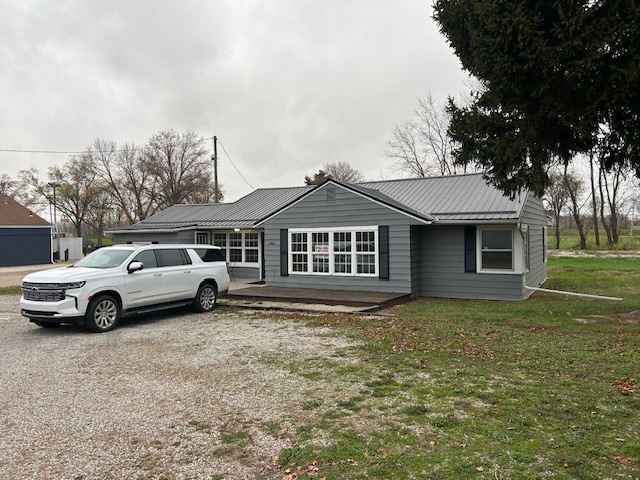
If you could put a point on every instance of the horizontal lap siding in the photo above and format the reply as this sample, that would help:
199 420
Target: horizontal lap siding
534 215
160 237
244 273
348 210
443 272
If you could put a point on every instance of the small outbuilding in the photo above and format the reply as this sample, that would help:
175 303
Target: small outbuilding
452 236
25 238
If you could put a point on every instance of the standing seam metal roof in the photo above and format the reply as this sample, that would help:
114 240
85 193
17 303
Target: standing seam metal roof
449 198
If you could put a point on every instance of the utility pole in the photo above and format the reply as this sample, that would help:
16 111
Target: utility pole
54 185
216 195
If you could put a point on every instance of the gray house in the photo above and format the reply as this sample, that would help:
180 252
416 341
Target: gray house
454 236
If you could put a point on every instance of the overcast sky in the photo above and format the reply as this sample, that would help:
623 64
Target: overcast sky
286 85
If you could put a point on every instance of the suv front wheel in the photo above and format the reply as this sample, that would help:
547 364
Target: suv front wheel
103 314
205 298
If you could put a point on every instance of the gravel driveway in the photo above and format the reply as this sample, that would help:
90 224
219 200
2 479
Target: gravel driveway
166 396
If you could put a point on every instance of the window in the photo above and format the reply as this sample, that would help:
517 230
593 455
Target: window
320 252
210 254
147 258
339 251
365 242
251 247
342 260
220 240
171 257
299 255
239 247
202 238
496 249
235 247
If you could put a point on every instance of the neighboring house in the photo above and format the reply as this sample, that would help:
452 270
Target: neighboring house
25 238
454 236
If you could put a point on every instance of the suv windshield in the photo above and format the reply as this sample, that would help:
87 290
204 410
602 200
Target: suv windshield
104 258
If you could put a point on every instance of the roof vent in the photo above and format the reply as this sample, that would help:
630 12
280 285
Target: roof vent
331 195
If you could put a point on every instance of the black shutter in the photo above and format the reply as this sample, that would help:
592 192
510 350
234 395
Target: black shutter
383 257
284 252
470 249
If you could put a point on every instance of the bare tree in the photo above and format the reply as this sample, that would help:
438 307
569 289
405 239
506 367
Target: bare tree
100 215
574 186
129 178
610 183
180 164
343 172
77 189
8 185
422 146
594 198
556 198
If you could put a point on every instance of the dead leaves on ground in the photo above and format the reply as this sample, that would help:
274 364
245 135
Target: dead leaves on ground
626 386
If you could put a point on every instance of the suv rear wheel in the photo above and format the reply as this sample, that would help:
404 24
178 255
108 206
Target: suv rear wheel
205 298
102 315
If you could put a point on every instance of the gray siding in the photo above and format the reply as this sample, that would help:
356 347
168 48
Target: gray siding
416 259
186 236
443 272
533 215
244 273
348 210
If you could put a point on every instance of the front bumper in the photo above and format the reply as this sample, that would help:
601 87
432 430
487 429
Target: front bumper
63 311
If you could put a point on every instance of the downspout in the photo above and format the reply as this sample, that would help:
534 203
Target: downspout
585 295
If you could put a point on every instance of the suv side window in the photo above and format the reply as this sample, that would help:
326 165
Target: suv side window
170 257
210 254
148 259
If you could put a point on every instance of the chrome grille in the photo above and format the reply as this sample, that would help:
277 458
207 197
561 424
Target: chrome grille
42 292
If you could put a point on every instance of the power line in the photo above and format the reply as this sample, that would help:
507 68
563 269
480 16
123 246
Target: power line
233 165
59 152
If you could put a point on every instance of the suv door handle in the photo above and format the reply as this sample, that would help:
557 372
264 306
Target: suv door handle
187 271
157 274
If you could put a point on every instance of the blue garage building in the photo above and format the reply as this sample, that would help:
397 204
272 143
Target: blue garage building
25 238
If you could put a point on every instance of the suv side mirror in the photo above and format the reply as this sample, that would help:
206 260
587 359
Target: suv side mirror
135 266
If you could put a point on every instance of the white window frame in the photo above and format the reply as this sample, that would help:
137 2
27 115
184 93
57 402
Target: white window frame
517 253
331 253
243 246
198 236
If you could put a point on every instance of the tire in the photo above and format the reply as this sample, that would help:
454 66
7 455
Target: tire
206 298
46 324
102 315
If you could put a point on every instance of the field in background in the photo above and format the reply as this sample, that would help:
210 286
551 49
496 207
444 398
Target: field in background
569 239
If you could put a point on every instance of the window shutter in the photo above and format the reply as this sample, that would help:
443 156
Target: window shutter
470 249
383 257
284 252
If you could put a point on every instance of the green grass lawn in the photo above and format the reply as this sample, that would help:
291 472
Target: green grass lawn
453 389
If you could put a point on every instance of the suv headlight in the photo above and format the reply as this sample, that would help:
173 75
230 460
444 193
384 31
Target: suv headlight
71 285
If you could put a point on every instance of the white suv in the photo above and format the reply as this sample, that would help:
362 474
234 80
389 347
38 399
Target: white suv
125 279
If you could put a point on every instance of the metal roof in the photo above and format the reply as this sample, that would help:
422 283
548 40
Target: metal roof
453 198
456 198
242 213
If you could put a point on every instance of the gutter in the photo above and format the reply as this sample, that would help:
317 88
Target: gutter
155 230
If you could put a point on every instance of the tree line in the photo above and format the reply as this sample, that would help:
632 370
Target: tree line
112 185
